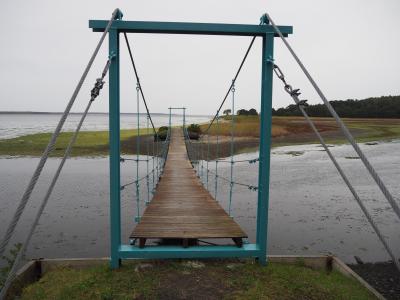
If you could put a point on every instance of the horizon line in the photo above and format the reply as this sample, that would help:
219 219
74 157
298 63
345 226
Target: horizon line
79 113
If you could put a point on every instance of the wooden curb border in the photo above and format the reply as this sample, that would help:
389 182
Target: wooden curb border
33 270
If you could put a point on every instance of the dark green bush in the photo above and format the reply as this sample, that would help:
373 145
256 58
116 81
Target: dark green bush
163 128
244 112
161 134
194 128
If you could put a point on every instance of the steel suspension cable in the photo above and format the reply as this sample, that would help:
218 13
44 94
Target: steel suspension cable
250 161
137 152
294 93
152 158
134 181
249 186
147 162
208 158
216 162
157 157
138 81
232 147
203 162
200 171
50 146
232 83
342 126
216 116
94 93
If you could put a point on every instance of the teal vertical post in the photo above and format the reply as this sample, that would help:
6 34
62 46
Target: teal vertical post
115 207
265 145
184 117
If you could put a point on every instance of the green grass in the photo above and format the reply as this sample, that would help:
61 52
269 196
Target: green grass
88 143
175 280
285 131
378 130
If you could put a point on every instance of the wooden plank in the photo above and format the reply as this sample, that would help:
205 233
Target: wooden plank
181 207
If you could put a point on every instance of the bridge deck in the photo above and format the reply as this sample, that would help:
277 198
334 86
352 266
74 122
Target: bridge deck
182 208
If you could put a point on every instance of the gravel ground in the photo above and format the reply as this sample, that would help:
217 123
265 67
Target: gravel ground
383 276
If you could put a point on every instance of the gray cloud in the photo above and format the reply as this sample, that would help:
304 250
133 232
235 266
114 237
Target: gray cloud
351 48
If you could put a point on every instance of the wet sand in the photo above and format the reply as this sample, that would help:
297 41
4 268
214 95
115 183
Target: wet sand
243 144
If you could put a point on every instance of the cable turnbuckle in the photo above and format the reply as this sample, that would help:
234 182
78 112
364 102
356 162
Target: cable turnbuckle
96 89
279 73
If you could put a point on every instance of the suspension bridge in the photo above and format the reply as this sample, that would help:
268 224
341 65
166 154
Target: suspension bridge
182 208
180 202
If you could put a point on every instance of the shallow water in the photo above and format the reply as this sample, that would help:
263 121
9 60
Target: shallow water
311 210
14 125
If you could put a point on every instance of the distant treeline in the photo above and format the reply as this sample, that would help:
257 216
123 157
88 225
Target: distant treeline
382 107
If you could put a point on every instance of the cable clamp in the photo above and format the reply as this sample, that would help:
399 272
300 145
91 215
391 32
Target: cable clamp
252 188
302 103
295 92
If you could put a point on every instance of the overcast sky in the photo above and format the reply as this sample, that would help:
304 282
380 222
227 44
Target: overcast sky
351 47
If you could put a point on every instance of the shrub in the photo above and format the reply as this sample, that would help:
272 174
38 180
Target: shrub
244 112
161 134
194 128
163 128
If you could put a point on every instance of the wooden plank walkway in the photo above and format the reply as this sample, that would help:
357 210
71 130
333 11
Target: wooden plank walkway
182 208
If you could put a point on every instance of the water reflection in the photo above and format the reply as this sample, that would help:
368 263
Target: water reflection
311 210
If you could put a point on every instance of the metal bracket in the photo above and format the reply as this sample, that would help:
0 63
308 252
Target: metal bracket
264 19
112 55
119 14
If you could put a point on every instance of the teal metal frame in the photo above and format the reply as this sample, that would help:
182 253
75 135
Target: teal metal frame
184 115
267 33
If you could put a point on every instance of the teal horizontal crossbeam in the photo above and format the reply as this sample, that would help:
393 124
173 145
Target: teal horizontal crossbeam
157 252
189 28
